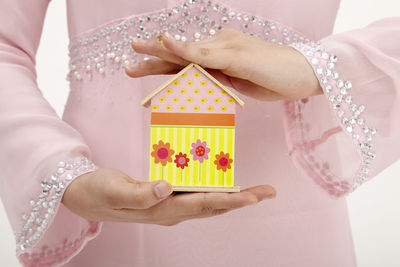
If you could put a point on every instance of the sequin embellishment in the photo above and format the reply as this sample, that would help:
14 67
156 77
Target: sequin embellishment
43 209
108 49
349 113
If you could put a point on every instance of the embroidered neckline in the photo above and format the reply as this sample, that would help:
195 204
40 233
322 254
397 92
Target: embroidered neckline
107 49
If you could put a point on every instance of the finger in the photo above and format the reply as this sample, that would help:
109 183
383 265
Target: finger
151 67
138 195
208 55
157 49
174 221
221 77
189 205
260 192
254 90
200 203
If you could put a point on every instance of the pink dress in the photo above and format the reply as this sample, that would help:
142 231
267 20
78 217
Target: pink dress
314 151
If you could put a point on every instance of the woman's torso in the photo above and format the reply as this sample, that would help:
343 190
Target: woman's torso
302 227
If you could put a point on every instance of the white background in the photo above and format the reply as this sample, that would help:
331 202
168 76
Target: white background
374 208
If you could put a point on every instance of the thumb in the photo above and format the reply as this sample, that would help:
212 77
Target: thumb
143 195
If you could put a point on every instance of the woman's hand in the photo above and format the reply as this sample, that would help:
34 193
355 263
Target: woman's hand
254 67
110 195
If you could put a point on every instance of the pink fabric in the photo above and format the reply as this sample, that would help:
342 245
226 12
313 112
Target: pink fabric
104 121
361 85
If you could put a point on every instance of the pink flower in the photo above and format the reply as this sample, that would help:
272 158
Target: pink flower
200 150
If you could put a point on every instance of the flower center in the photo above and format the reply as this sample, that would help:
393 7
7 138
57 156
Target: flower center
162 153
182 161
200 151
223 161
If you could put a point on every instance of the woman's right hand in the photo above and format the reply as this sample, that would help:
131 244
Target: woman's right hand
111 195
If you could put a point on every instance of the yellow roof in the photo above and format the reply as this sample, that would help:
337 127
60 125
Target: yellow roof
188 67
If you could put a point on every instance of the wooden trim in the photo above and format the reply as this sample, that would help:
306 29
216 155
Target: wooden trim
194 188
193 119
147 99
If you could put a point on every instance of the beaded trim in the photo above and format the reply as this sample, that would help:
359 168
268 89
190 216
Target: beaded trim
59 254
348 112
43 209
108 49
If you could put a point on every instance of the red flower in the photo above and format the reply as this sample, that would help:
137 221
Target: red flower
161 153
223 161
181 160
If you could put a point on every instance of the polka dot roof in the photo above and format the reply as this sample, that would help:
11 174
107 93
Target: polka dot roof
193 92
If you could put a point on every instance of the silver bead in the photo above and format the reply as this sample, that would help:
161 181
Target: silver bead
349 128
61 164
314 61
333 58
328 89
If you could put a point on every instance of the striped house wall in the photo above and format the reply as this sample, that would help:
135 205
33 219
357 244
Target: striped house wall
181 139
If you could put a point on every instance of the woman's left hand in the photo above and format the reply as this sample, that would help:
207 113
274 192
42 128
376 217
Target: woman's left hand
257 68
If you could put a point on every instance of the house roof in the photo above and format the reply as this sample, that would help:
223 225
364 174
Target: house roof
146 100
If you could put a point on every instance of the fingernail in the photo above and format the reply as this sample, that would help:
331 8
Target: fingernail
136 40
130 66
162 189
167 35
128 69
272 195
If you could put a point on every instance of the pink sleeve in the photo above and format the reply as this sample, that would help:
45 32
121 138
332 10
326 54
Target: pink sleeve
40 153
352 132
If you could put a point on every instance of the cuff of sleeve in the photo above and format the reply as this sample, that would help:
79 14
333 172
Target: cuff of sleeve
50 234
344 125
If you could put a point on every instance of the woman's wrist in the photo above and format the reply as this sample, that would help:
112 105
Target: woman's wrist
308 81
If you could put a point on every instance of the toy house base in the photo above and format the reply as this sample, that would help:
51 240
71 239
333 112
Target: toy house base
187 188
